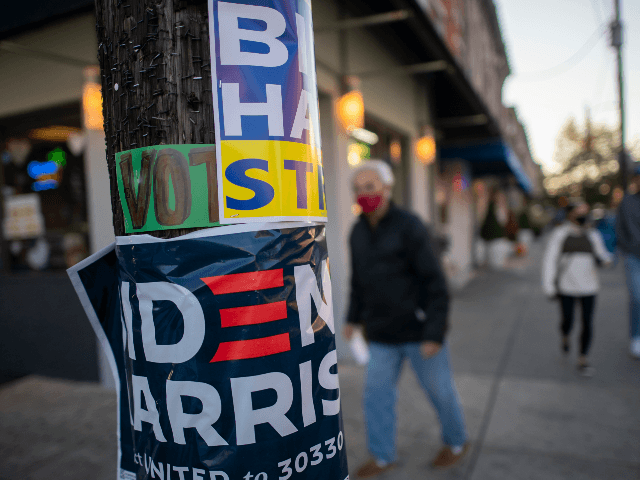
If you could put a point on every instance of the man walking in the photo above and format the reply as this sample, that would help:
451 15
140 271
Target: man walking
628 237
399 297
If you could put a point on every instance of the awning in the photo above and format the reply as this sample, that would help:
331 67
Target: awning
459 111
20 16
492 158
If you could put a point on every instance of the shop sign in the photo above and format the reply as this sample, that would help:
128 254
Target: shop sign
22 217
222 344
266 111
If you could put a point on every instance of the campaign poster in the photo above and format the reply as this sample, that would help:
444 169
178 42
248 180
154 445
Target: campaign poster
95 280
265 99
224 348
163 187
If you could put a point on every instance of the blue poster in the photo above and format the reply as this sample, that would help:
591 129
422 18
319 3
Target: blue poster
223 346
265 98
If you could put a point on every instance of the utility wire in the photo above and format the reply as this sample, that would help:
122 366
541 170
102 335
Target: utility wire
569 63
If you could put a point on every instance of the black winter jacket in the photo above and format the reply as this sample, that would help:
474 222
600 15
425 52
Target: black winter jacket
398 290
628 225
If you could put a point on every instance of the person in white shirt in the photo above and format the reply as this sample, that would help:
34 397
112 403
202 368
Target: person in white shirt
569 273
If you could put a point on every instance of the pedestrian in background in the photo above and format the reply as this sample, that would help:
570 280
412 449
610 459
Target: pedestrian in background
628 236
606 225
399 298
569 273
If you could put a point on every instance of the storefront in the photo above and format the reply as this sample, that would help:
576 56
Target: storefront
54 186
43 190
471 176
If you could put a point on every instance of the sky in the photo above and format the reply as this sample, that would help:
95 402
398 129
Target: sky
560 65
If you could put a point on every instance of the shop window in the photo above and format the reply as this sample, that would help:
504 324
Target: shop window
43 190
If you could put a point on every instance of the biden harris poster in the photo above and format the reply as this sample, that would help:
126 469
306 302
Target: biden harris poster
222 345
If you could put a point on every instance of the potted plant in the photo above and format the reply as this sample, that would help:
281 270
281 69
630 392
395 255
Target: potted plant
493 233
525 233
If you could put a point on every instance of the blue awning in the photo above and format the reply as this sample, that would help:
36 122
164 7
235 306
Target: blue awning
488 159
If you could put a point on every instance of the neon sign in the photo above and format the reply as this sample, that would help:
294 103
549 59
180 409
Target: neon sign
36 169
48 175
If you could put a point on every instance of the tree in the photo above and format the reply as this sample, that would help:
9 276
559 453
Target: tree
585 159
156 79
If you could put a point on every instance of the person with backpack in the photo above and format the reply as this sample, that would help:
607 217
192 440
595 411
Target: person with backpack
569 273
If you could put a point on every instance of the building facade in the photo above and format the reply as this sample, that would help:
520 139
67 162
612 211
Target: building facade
424 68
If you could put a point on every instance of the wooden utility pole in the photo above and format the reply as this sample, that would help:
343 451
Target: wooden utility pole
156 80
616 42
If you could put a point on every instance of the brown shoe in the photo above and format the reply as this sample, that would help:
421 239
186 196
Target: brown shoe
446 458
371 469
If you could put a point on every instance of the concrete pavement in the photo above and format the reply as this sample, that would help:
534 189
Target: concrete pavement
57 429
529 414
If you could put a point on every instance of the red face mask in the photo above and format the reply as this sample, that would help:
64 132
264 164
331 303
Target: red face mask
369 203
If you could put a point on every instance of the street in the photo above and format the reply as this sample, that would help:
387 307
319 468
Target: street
529 414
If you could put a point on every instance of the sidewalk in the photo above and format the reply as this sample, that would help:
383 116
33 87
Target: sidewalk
57 429
529 414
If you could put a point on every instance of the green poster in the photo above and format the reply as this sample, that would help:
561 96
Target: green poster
168 186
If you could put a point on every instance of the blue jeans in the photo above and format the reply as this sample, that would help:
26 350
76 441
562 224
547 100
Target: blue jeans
380 394
632 267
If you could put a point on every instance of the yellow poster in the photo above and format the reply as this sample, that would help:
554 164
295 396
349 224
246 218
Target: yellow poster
274 180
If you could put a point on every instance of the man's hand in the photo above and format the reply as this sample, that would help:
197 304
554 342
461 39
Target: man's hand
429 349
348 331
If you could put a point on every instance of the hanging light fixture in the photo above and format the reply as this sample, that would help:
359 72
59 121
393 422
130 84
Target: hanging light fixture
350 106
425 148
351 110
92 99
